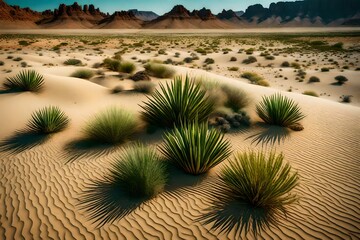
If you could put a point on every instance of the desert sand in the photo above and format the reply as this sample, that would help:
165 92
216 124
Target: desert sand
43 182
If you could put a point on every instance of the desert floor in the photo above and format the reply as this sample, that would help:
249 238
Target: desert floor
43 181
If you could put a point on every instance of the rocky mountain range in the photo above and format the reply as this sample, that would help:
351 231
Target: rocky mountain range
295 14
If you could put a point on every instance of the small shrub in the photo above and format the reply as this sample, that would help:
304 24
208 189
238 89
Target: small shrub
233 59
341 79
324 69
73 61
285 64
295 65
263 83
311 93
249 60
144 86
188 60
233 69
269 57
28 80
112 125
18 59
159 70
2 63
209 61
48 120
195 148
176 103
127 67
279 110
83 73
112 64
314 79
139 171
24 64
346 98
236 99
252 77
161 52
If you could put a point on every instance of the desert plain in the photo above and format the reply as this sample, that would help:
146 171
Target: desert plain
46 182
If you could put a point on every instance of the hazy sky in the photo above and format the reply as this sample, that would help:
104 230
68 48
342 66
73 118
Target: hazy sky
158 6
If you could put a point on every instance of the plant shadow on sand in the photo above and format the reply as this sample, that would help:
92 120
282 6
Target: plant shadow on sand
106 202
23 140
269 134
84 148
227 214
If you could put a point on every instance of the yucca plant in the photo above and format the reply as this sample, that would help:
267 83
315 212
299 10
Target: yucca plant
48 120
260 179
177 103
27 80
113 125
195 148
139 171
279 110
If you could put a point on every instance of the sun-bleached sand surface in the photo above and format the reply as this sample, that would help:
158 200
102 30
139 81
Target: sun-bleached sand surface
42 192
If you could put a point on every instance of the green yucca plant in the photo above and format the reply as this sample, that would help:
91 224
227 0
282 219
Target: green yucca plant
279 110
48 120
261 180
113 125
195 148
27 80
139 171
177 103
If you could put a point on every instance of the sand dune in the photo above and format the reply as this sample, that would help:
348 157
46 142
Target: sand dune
43 195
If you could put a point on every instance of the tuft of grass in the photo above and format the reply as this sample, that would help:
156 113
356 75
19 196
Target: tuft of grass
233 69
112 64
113 125
27 80
261 180
311 93
263 83
144 86
236 99
139 171
73 61
255 78
48 120
279 110
127 67
83 73
159 70
177 103
195 148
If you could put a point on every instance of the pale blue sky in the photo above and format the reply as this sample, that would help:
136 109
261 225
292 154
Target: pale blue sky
158 6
